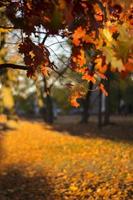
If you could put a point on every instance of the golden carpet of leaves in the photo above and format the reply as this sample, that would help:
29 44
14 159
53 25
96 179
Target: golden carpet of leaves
39 162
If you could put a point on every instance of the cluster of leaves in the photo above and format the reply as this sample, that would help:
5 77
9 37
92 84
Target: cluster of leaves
99 31
34 55
76 167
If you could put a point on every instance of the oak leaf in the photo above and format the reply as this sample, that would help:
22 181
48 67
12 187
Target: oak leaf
78 35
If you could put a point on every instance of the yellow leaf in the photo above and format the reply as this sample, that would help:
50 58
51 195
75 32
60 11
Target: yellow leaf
73 188
107 35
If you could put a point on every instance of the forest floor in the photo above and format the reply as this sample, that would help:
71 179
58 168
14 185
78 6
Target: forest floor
66 161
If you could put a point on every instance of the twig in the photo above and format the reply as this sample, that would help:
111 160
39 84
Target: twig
57 56
44 39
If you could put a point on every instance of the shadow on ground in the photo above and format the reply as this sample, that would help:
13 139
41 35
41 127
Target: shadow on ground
14 185
120 130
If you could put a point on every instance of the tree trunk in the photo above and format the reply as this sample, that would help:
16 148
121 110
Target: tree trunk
100 110
86 101
49 109
49 104
86 104
107 99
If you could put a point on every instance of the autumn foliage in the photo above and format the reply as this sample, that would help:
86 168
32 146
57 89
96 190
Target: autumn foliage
99 32
38 162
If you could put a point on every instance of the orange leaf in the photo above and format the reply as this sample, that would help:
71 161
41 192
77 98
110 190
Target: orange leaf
45 70
98 12
89 78
74 97
129 65
81 70
113 28
80 58
78 34
100 66
101 87
74 103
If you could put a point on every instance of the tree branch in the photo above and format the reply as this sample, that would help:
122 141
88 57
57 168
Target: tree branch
7 27
13 66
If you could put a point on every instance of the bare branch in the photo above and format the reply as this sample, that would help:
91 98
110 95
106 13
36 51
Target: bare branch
44 39
56 43
61 44
57 56
7 27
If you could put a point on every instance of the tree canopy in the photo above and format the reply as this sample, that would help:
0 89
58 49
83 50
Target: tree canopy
98 31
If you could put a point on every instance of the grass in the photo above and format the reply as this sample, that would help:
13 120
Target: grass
39 162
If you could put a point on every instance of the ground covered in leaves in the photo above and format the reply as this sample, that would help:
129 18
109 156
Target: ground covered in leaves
66 161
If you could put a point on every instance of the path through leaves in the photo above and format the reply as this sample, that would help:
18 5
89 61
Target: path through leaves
38 162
